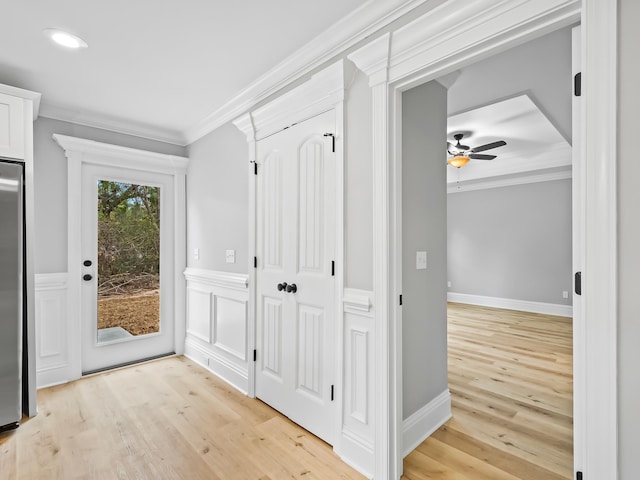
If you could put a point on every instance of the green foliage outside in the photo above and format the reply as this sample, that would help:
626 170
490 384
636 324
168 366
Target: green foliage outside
128 235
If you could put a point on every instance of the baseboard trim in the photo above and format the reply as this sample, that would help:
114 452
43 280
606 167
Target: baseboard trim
419 426
511 304
227 371
356 451
51 376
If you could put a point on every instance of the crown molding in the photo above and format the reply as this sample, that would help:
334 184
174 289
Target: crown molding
116 155
498 182
355 27
117 125
320 94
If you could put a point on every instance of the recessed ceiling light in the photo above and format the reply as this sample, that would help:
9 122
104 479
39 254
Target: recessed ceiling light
65 39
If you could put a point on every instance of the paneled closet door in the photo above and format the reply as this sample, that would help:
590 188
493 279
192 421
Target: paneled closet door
295 287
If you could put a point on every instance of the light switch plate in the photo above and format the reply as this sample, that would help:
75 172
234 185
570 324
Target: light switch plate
231 256
421 260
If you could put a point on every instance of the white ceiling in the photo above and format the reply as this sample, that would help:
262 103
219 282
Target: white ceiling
533 143
156 65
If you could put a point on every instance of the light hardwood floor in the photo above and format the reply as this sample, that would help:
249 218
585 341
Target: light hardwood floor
510 376
166 419
510 379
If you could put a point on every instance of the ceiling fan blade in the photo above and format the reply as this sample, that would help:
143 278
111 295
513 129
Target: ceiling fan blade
488 146
481 156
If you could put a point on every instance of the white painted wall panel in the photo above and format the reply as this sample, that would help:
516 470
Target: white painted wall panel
217 315
230 327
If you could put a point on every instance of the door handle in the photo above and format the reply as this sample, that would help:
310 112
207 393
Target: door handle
87 277
292 288
282 286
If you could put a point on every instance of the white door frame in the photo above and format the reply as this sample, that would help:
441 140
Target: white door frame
325 91
80 151
428 48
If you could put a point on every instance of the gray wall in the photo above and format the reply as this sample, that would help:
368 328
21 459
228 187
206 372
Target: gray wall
512 242
358 185
628 240
541 67
424 228
50 184
218 200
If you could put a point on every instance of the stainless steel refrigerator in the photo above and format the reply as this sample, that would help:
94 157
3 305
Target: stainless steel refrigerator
11 291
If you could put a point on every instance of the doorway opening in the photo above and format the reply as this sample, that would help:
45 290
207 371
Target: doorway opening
520 260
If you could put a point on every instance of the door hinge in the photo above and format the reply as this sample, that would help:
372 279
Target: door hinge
255 262
332 393
400 299
577 84
333 141
577 281
255 355
255 168
578 475
333 268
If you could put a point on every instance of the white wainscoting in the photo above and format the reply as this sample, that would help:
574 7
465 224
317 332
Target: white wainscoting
419 426
511 304
356 442
217 316
52 330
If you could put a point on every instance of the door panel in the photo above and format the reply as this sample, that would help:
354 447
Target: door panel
127 225
296 239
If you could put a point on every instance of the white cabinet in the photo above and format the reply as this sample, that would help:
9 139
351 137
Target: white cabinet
12 126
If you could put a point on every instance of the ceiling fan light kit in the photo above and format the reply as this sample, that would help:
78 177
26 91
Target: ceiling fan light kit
462 154
458 161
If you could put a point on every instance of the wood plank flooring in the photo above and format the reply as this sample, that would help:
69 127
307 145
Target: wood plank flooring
163 420
511 381
510 376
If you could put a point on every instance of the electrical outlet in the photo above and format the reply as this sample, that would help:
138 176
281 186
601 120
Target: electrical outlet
565 294
449 284
231 256
421 260
196 254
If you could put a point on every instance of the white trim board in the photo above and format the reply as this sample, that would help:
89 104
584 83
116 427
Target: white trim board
512 304
419 426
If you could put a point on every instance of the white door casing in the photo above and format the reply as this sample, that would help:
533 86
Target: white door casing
296 246
430 47
99 355
81 152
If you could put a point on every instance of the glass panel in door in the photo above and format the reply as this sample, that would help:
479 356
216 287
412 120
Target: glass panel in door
128 261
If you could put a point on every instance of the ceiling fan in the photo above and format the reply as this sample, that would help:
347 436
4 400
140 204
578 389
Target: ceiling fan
462 154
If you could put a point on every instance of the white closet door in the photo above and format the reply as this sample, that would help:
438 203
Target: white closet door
295 245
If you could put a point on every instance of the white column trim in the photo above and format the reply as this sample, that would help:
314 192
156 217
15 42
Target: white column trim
373 60
599 286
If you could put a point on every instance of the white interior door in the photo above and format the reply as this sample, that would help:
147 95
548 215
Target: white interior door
127 267
295 283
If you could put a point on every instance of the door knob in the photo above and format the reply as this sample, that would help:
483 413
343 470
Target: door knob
292 288
87 277
282 286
